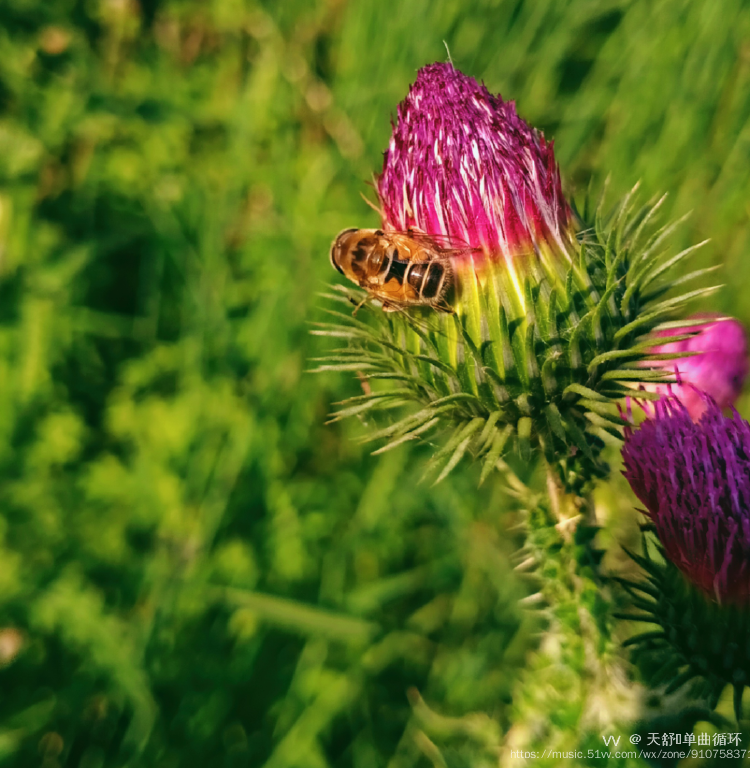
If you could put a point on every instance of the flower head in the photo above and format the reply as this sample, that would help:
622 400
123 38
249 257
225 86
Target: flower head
509 315
719 371
461 163
694 479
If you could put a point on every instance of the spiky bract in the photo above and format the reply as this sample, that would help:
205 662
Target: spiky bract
551 323
545 374
697 640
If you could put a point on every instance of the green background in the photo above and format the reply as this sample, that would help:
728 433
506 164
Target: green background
195 570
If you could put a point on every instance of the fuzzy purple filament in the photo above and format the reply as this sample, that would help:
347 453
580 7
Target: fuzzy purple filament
694 480
462 164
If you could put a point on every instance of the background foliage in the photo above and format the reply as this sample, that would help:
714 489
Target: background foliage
196 570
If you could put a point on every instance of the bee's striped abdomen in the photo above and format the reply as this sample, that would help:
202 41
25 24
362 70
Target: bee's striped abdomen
427 278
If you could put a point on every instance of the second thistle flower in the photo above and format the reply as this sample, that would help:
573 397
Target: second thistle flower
694 481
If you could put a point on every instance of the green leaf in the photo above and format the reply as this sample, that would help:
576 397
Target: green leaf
353 411
411 435
622 219
552 327
669 263
578 438
458 454
344 367
639 351
689 323
555 421
403 391
579 389
596 315
523 429
660 356
656 240
666 287
498 444
662 308
669 304
300 617
605 410
550 381
606 423
337 333
645 221
436 363
646 375
599 224
644 319
606 437
489 429
455 447
532 366
409 422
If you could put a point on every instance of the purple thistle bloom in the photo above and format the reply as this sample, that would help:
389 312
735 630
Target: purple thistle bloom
462 164
719 372
694 479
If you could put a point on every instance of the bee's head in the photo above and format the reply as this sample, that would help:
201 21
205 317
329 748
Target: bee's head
341 245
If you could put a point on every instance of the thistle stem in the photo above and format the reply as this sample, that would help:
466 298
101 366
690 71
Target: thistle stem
574 687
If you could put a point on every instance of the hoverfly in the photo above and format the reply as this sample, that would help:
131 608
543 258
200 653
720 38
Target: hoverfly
399 269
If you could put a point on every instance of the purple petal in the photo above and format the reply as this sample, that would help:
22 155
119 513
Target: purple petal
462 164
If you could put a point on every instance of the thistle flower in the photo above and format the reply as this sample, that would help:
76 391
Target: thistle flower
719 371
463 164
550 323
694 480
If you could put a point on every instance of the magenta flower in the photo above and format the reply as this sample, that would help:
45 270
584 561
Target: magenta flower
694 480
719 372
463 165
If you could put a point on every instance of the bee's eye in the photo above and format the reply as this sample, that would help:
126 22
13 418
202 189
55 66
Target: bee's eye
376 261
334 260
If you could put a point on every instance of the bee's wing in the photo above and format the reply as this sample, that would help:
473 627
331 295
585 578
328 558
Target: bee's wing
445 245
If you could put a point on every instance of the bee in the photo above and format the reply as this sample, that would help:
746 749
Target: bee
399 269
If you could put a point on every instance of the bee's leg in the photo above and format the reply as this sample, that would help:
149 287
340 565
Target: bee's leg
391 308
357 307
443 306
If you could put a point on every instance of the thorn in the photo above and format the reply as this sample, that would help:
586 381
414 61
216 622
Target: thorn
521 554
447 50
372 205
534 599
529 562
568 522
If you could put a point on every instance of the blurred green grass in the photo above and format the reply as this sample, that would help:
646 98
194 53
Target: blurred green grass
201 571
